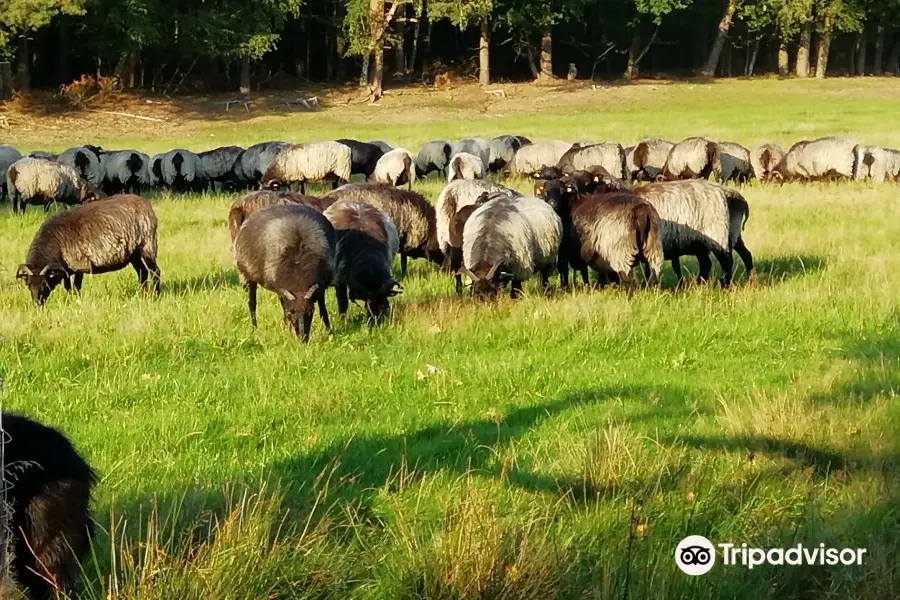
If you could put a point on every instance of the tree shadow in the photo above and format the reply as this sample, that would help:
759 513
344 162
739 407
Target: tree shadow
214 280
773 271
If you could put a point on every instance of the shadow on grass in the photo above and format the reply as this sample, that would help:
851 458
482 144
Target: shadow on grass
772 271
218 279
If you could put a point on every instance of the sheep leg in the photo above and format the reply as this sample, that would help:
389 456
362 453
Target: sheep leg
403 263
79 278
515 290
584 274
138 263
676 268
746 258
303 187
15 203
67 283
705 263
726 260
343 300
323 312
151 266
562 265
251 303
459 284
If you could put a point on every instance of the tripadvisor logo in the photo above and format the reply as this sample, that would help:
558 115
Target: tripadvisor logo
696 555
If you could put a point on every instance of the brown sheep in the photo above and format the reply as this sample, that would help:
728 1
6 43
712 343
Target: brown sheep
248 204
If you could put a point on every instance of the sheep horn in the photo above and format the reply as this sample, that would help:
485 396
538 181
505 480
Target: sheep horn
492 272
24 271
287 295
312 291
465 271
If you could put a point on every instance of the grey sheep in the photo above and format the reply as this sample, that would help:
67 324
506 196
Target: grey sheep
878 164
529 159
465 166
156 176
455 196
43 182
8 155
479 147
99 237
610 156
382 145
246 205
182 171
693 158
218 166
503 150
510 240
367 243
302 163
290 251
828 158
734 163
698 217
434 156
395 168
125 171
253 162
645 160
86 162
763 160
411 214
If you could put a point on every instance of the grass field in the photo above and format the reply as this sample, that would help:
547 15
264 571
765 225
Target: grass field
544 448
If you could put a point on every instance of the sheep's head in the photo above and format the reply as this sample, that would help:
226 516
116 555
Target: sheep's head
559 193
91 194
486 281
274 185
545 174
298 309
43 281
378 303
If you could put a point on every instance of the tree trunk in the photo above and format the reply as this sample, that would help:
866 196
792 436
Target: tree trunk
24 66
62 67
893 63
340 42
484 52
399 46
364 71
878 66
753 57
824 47
529 53
415 44
803 49
245 75
784 66
860 54
709 69
547 53
5 81
376 15
631 68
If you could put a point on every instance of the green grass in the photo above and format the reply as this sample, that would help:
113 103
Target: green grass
563 445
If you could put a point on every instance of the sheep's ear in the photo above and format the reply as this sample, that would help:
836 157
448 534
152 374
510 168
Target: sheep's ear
287 295
312 291
392 288
23 272
569 188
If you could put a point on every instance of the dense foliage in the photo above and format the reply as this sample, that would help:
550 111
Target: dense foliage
189 45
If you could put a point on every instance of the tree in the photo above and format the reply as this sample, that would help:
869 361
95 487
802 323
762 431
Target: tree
842 15
712 61
463 14
529 19
758 17
655 10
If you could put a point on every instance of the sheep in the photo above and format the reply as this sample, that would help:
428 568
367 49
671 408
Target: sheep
465 166
182 171
248 204
41 154
86 160
218 166
510 239
699 217
156 176
610 230
453 197
99 237
395 168
412 215
367 243
49 496
253 162
383 146
876 163
734 163
764 158
529 159
288 250
826 158
363 157
434 156
503 150
479 147
457 226
125 171
8 155
693 158
646 159
610 156
302 163
38 181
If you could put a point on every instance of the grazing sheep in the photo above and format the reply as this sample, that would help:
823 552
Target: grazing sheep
457 226
99 237
411 214
367 243
509 240
253 162
248 204
49 495
878 164
434 156
288 250
456 195
43 182
693 158
699 217
610 156
734 163
395 168
828 158
125 171
156 176
465 166
42 155
86 162
8 155
611 231
218 166
764 159
645 161
182 171
382 145
363 157
529 159
479 147
301 163
503 150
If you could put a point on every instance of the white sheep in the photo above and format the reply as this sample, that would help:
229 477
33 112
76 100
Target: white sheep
465 166
877 163
529 159
610 156
456 195
395 168
645 160
734 163
825 158
8 155
43 182
315 161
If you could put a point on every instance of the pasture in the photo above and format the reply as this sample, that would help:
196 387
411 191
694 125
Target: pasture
551 447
